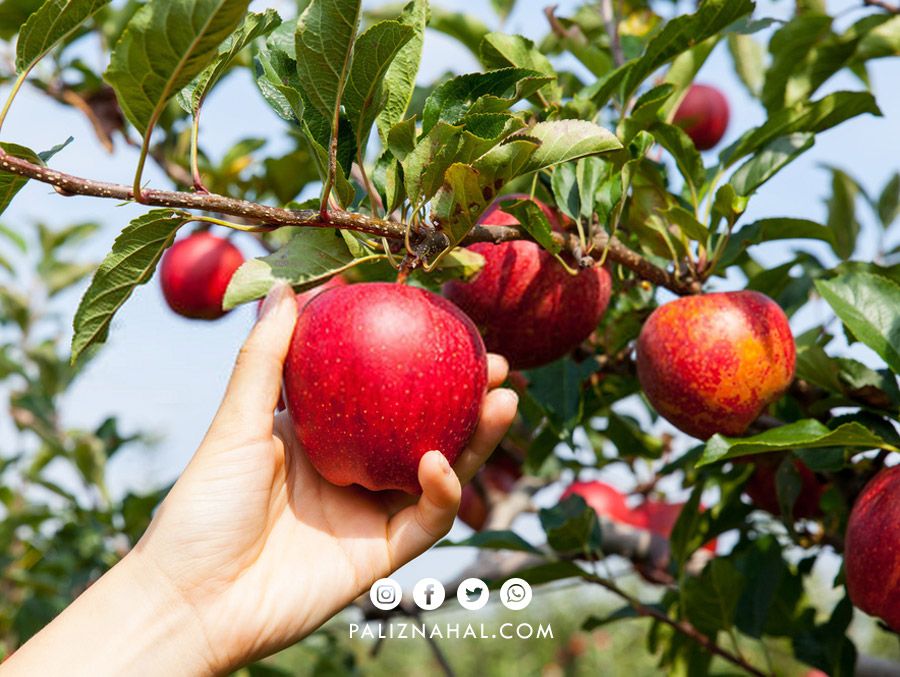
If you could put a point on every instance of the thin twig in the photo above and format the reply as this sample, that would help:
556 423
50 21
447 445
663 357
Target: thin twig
612 30
881 4
67 184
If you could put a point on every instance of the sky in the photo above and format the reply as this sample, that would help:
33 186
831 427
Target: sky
165 375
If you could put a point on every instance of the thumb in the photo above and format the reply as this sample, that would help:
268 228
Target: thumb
255 384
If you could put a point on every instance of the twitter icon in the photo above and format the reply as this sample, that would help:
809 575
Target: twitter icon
472 594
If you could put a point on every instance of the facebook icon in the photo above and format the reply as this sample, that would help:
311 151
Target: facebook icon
428 594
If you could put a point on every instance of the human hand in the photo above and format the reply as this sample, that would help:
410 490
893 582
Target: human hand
252 549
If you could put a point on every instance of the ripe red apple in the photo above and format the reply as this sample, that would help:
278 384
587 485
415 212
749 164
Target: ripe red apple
872 549
711 363
498 476
528 308
606 501
761 487
703 115
660 517
377 375
195 273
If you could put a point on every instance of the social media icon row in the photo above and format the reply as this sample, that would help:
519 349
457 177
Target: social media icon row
429 594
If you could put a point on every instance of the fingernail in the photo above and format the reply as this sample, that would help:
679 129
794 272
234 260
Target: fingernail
278 292
445 464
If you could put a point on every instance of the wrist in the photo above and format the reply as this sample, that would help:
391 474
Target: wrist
131 621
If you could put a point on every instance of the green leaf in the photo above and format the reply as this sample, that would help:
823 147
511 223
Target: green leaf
326 32
499 50
564 140
491 92
687 223
493 540
309 257
789 46
770 160
749 60
766 230
461 26
11 235
532 218
52 23
14 14
254 26
869 305
811 116
888 206
133 258
710 600
677 36
684 152
278 82
842 213
803 434
572 526
400 79
365 93
165 46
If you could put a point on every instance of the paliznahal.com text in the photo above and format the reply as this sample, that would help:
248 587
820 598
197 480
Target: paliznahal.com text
403 630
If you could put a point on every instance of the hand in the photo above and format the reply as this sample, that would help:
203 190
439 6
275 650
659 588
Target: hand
254 548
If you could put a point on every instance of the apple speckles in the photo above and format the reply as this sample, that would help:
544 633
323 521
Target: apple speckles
377 375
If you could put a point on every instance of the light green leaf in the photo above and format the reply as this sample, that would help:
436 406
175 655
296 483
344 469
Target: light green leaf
400 79
254 26
460 202
789 46
565 140
133 258
812 116
11 235
311 256
365 93
684 152
687 223
52 23
326 32
869 305
770 160
499 50
804 434
749 61
888 206
278 82
166 45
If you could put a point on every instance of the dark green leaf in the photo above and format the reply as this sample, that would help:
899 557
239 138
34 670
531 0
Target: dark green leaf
532 218
493 540
400 79
889 201
769 160
572 526
842 214
52 23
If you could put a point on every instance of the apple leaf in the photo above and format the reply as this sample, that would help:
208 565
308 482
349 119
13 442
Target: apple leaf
366 92
461 26
499 50
326 33
564 140
491 92
278 82
867 304
190 98
684 152
805 116
492 540
164 46
572 526
52 23
400 78
767 230
535 222
769 160
842 219
131 262
309 258
888 206
711 599
803 434
749 61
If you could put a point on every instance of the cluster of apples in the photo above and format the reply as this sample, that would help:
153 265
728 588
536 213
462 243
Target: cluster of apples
378 374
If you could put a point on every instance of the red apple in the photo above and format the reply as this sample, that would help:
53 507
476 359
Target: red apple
195 273
660 518
528 308
377 375
498 476
703 115
711 363
763 493
606 501
872 549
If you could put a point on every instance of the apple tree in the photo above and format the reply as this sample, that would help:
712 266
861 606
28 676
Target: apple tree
573 196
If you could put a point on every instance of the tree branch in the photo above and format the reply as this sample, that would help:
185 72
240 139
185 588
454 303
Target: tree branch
881 4
433 239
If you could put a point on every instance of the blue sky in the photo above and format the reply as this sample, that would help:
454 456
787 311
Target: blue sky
164 375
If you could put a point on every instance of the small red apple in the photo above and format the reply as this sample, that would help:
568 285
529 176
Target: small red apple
761 487
528 308
377 375
498 476
872 549
711 363
195 273
606 501
703 115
